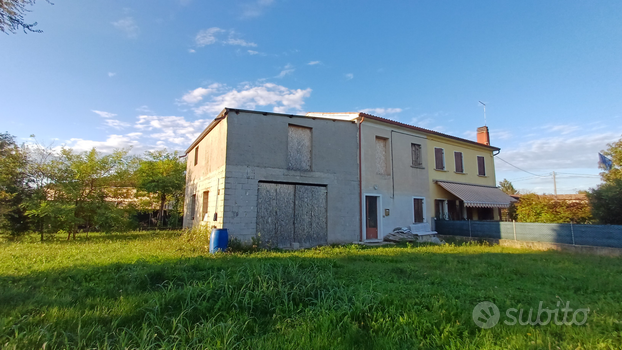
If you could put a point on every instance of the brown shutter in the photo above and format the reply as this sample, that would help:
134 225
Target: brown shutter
196 155
418 207
481 166
458 160
438 155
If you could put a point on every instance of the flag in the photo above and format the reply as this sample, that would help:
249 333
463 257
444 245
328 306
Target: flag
604 162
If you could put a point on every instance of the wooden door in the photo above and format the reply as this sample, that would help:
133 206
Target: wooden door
371 217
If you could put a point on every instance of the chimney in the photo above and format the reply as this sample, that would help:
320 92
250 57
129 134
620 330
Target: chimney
483 136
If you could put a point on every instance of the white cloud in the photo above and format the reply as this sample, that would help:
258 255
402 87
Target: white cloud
171 129
128 26
381 111
555 153
191 50
196 95
564 129
144 109
252 52
104 114
117 124
211 36
287 70
255 8
112 142
111 74
313 63
349 76
251 96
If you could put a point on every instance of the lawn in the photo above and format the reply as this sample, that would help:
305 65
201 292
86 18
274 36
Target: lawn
162 290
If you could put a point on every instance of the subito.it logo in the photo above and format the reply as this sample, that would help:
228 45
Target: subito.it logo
486 315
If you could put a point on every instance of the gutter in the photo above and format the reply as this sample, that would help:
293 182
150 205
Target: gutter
362 118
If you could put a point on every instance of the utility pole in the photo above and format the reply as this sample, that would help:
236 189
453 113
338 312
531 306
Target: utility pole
554 185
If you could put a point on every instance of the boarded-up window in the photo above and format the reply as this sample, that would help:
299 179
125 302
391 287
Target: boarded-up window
298 148
196 155
415 149
459 162
205 204
193 205
418 210
481 166
439 159
382 156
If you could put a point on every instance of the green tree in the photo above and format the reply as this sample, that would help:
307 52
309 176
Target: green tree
163 174
507 187
606 202
13 185
12 16
613 152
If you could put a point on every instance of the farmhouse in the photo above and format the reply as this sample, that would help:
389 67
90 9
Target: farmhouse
301 181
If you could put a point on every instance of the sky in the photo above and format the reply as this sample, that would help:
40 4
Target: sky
149 75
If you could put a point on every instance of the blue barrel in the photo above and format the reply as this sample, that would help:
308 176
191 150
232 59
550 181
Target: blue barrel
218 240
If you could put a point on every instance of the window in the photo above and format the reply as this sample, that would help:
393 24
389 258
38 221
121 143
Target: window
196 155
439 158
481 166
459 161
440 208
418 215
193 205
416 155
204 204
382 156
298 148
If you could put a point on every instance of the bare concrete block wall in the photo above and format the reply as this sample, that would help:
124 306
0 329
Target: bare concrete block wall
257 147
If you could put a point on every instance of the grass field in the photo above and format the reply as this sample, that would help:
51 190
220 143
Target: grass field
162 290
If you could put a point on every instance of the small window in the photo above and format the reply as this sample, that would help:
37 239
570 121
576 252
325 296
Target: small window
298 148
205 204
416 155
481 166
196 155
418 210
193 206
382 156
439 158
440 209
458 158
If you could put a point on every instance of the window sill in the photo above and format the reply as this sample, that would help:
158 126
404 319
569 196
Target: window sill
442 170
482 175
417 167
463 173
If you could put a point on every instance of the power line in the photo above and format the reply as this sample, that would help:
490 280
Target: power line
528 172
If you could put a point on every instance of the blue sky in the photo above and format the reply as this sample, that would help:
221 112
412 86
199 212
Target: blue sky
153 74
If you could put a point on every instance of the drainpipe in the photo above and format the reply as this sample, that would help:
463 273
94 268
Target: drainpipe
362 117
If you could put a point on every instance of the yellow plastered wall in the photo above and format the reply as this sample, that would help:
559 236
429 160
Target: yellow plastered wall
470 176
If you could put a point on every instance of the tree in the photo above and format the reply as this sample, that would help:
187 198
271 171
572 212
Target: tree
606 202
507 187
613 152
13 185
12 16
163 174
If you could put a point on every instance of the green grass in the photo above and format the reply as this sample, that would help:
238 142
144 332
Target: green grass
162 290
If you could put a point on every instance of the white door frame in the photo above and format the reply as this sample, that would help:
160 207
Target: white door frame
378 212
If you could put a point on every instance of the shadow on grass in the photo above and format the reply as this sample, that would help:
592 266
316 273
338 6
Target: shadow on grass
355 295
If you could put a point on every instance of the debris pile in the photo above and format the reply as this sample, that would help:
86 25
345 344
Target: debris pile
404 234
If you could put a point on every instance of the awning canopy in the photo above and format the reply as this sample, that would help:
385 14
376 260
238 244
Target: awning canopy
478 196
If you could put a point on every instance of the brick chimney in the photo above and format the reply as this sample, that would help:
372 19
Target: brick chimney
483 136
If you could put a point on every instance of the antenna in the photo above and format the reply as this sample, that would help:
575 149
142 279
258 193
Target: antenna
483 104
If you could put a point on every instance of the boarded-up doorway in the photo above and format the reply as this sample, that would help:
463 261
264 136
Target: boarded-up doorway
291 213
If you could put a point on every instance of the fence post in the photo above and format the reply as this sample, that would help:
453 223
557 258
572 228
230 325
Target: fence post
514 225
572 231
470 229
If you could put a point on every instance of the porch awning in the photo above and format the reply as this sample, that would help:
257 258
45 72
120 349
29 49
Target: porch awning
478 196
